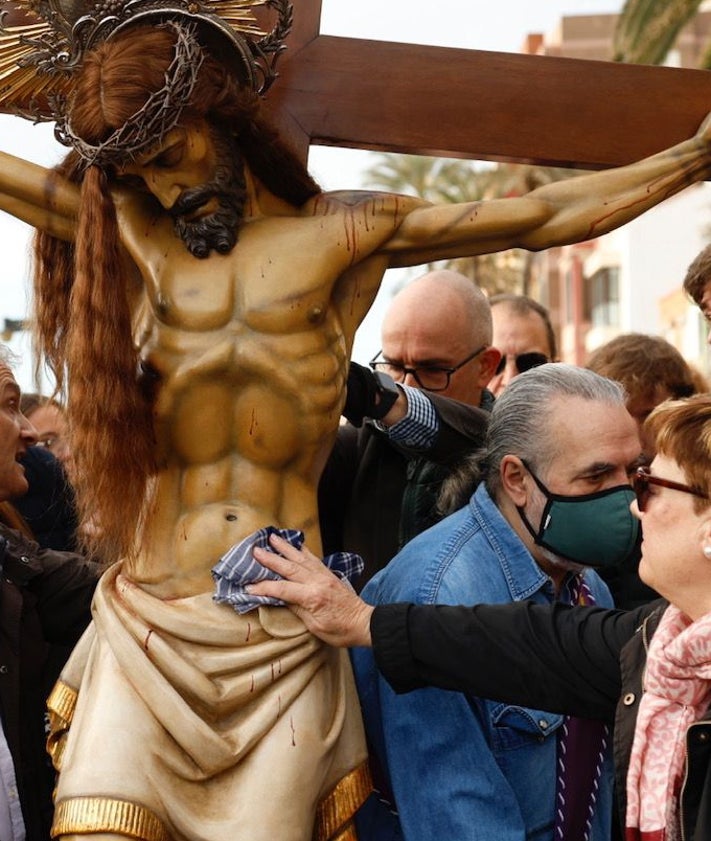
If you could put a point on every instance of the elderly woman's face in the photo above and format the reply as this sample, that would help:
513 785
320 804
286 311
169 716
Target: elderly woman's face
674 536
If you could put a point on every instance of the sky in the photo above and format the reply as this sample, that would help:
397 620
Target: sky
469 24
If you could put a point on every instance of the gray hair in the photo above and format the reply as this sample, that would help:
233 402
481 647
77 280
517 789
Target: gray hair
7 357
520 420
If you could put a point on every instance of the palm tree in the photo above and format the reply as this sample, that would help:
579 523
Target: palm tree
647 30
446 180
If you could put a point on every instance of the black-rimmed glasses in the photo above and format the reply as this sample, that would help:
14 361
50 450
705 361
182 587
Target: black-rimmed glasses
642 479
524 361
429 377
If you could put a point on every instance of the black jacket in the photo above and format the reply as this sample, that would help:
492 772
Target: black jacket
581 661
45 597
374 496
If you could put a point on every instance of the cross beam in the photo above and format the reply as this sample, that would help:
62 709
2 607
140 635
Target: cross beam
476 104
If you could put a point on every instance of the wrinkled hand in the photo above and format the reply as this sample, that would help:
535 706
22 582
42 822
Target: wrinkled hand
328 607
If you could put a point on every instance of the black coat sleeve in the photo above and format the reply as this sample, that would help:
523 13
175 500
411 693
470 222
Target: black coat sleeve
554 657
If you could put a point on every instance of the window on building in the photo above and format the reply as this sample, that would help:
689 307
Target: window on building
603 298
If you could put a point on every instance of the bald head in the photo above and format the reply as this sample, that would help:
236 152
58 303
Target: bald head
439 320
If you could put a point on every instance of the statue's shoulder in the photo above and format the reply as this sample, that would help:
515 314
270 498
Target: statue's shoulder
375 202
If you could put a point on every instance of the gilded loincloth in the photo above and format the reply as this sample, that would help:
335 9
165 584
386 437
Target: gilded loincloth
190 722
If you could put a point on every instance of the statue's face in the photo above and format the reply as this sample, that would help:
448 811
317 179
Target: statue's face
196 175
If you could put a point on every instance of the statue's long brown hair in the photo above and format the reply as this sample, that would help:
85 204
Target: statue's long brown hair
83 318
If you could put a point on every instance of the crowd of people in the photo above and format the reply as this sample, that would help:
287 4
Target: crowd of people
196 295
538 721
534 498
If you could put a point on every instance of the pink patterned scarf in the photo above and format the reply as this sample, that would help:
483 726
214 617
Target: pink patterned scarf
677 689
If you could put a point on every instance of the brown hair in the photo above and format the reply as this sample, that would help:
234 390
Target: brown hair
522 305
30 401
682 431
641 363
118 77
698 275
82 289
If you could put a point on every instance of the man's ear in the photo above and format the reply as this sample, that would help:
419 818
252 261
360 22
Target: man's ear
515 480
488 361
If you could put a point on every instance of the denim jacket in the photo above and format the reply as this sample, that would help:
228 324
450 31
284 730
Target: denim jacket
461 767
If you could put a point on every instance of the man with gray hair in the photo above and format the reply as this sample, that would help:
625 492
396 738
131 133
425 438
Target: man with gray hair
554 498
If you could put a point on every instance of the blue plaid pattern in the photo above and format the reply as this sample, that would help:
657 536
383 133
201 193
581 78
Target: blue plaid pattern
238 567
419 428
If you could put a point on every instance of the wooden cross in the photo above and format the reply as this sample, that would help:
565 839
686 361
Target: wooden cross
476 104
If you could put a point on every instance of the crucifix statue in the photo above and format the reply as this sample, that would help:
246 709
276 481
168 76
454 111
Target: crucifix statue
199 294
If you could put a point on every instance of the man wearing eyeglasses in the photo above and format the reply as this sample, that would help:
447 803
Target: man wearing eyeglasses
382 481
523 333
437 336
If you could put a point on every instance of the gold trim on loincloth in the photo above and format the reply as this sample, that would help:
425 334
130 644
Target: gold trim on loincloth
60 705
86 815
62 700
348 833
335 811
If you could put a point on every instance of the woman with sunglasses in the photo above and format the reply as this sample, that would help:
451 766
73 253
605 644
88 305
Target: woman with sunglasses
649 670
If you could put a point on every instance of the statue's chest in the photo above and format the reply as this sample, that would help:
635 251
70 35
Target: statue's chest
195 295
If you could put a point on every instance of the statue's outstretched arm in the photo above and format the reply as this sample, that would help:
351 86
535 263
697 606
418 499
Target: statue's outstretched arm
39 196
563 212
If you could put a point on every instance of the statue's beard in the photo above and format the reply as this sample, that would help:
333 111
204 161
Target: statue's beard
216 231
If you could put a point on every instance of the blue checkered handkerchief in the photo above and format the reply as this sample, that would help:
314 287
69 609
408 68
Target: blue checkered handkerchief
238 567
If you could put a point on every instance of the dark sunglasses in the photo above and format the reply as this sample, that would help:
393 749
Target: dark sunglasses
524 361
642 479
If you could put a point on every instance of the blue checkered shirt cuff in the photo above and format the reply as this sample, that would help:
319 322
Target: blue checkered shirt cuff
237 568
418 429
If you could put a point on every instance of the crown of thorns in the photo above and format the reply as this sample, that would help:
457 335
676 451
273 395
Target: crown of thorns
39 58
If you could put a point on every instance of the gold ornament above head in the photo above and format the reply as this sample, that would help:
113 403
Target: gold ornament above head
39 57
